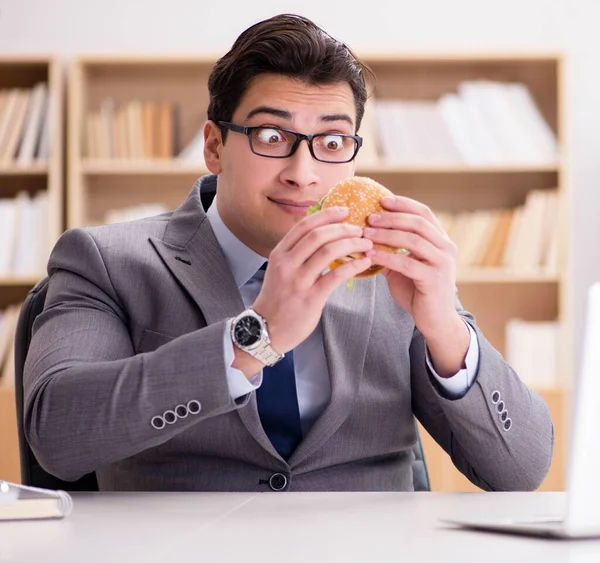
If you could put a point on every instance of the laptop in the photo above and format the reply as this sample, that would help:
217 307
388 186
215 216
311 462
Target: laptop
581 518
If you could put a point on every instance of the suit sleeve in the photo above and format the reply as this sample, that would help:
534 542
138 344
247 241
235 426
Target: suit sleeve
499 434
89 399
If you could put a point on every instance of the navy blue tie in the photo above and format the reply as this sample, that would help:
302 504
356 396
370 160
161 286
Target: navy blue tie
277 401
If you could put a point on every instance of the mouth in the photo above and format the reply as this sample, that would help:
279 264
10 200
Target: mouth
293 207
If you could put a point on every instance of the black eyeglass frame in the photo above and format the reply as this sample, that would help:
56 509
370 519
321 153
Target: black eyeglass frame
299 138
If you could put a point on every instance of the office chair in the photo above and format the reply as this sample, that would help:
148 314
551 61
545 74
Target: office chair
32 472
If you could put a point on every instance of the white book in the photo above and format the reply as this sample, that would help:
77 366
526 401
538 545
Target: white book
510 133
34 123
537 127
193 152
385 130
482 126
532 351
454 114
25 257
8 222
443 148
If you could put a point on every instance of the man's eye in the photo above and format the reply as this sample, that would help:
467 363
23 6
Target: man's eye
333 142
270 136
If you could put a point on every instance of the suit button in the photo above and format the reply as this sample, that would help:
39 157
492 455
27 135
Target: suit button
495 396
194 406
181 411
157 422
508 424
500 407
278 482
170 417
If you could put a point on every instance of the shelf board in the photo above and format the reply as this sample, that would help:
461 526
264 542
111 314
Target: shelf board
135 167
498 275
27 281
32 170
390 168
173 167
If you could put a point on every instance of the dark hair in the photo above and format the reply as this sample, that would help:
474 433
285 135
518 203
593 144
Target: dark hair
289 45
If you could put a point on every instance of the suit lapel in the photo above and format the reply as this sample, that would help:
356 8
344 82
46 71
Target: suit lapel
346 322
192 253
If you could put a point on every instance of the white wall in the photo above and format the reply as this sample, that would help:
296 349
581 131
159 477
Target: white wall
179 26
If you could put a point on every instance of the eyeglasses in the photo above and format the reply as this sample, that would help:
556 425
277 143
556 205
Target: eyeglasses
275 142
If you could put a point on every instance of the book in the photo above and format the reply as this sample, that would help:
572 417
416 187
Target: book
21 502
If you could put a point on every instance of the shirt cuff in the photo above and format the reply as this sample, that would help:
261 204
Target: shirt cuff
239 384
456 386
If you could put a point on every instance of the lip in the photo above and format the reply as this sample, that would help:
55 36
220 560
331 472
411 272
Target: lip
292 203
299 208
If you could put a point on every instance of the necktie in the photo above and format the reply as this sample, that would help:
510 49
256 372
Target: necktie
277 401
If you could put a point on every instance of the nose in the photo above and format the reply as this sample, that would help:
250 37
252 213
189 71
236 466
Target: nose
301 168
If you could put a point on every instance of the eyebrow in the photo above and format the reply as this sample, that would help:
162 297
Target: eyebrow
284 114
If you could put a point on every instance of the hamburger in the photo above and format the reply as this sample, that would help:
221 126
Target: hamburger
362 196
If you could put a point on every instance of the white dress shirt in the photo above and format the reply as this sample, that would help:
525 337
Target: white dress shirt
312 377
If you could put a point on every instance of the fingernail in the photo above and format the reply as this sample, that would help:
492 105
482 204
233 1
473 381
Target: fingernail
370 232
340 210
374 218
370 253
387 199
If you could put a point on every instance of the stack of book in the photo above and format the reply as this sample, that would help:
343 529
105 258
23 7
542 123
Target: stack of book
24 125
25 246
137 130
522 240
483 123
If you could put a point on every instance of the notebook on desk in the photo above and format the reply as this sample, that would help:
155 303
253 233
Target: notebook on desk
19 502
581 518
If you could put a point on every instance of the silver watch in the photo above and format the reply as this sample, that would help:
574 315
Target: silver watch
249 333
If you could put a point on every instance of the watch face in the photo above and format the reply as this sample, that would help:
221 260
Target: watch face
247 331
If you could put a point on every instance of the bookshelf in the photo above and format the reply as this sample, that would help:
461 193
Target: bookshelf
97 184
31 163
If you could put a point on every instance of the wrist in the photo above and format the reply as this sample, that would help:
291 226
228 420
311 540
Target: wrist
448 346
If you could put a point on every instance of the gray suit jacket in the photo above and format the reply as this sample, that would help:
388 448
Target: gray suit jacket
133 327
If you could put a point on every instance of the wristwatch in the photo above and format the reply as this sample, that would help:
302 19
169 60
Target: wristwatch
249 333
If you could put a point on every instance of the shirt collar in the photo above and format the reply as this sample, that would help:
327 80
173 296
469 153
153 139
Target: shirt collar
242 260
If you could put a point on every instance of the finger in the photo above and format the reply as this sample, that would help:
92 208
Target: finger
320 260
406 265
407 205
418 246
329 282
411 223
318 238
307 224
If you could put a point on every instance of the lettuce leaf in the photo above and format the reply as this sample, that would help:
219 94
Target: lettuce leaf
316 207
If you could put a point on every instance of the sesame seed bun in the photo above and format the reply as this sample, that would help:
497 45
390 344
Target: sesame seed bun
362 196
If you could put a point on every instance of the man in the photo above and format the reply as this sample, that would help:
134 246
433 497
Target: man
169 358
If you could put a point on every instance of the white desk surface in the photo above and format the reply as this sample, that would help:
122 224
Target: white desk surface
287 527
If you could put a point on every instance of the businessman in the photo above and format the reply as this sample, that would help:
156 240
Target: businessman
211 348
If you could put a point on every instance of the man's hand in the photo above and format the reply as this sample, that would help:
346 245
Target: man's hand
294 291
422 282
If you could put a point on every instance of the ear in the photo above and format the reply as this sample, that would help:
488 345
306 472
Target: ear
213 144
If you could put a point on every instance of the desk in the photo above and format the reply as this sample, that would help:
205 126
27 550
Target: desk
290 527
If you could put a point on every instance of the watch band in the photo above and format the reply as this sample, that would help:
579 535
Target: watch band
265 353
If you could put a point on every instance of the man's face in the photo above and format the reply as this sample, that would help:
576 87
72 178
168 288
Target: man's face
261 198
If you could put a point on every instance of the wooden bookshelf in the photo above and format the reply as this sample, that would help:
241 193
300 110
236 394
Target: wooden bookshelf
24 72
493 295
